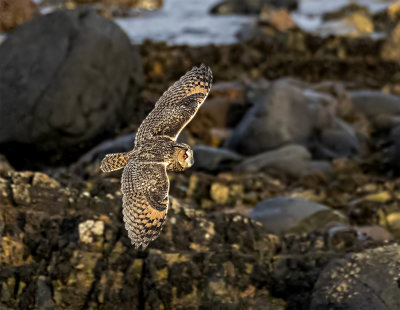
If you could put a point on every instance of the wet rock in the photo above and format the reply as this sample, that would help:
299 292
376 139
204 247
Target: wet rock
390 50
275 158
249 6
383 110
285 214
72 99
16 12
212 159
286 114
368 280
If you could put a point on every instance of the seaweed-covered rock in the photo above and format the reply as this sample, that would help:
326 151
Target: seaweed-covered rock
368 280
66 88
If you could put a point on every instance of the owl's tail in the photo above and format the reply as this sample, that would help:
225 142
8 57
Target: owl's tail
115 161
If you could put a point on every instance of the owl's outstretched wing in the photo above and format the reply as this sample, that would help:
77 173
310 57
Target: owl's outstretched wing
177 106
145 189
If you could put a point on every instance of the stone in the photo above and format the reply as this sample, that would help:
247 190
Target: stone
80 83
249 7
43 294
213 159
393 222
368 280
89 230
16 12
285 154
394 150
382 109
390 49
286 114
375 232
5 166
285 214
219 193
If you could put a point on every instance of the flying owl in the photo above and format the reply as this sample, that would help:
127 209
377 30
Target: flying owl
144 182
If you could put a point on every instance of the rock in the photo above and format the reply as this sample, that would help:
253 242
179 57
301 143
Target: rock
394 151
5 166
285 154
383 110
367 280
292 160
285 214
279 19
286 114
16 12
393 222
339 141
43 294
249 6
89 230
213 159
118 145
375 232
390 49
71 99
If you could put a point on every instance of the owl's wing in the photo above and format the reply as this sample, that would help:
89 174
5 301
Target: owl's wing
145 189
177 106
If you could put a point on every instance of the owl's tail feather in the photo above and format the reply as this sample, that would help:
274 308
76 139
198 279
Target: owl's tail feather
114 161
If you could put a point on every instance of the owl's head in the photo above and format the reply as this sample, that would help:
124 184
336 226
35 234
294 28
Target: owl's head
185 158
182 158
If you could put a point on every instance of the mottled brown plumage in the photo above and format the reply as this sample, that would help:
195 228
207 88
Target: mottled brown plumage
144 182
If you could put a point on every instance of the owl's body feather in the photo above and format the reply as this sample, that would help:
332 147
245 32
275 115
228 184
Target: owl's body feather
144 182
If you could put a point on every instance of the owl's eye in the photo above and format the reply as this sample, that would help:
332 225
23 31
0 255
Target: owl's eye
185 156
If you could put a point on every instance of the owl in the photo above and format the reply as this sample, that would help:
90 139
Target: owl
144 181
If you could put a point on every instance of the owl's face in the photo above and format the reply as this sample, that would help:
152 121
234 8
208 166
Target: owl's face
185 158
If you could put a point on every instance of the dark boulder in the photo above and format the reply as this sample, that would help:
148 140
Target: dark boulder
368 280
68 80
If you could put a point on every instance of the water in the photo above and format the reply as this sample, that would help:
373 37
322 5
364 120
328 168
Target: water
184 22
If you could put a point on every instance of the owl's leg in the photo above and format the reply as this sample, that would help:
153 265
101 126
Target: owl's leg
115 161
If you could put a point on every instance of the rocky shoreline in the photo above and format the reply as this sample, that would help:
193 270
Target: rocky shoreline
293 202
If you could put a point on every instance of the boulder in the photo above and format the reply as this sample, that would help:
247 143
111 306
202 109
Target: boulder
285 214
390 49
68 80
288 112
369 280
213 159
293 160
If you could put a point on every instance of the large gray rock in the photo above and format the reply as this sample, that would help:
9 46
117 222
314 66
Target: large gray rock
286 114
292 160
383 110
286 214
292 112
68 79
368 281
